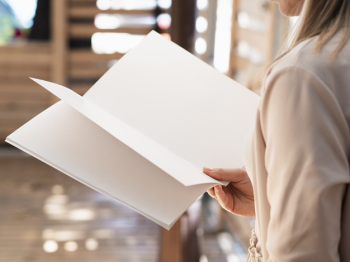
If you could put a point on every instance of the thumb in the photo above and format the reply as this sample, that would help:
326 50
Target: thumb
231 175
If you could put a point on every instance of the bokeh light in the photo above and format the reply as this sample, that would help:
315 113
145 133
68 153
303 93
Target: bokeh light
91 244
71 246
200 46
50 246
164 21
202 4
201 24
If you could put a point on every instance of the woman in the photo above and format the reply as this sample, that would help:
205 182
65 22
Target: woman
297 176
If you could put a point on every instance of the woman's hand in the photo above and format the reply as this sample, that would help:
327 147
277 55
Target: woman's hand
238 196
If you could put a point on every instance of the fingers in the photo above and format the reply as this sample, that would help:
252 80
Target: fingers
231 175
218 193
222 198
211 192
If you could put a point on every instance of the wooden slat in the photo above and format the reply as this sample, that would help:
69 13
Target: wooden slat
20 59
26 47
240 63
259 41
86 56
27 86
16 118
92 11
23 106
81 89
86 31
82 1
88 73
24 73
23 96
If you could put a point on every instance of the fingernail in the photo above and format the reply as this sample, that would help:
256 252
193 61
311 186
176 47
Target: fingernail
208 169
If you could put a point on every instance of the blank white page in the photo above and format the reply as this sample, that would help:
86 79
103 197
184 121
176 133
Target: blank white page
65 139
180 102
175 166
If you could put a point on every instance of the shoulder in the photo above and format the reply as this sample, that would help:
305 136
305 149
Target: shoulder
303 61
300 60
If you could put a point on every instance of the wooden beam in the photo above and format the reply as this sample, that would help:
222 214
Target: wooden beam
232 64
183 23
59 42
86 31
171 244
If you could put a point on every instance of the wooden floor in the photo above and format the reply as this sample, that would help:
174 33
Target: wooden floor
46 216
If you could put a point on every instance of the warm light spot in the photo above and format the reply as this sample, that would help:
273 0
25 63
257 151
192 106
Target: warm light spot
56 205
248 22
233 258
91 244
243 19
50 246
200 46
57 190
103 4
222 46
164 4
251 53
202 4
62 235
203 258
107 21
166 35
138 4
201 24
71 246
164 21
225 242
103 233
110 43
81 214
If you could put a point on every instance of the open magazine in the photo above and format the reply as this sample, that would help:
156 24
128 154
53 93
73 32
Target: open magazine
142 134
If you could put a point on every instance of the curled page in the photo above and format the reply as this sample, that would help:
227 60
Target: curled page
142 134
172 164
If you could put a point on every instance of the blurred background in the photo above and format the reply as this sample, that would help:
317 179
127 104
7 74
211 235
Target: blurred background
47 216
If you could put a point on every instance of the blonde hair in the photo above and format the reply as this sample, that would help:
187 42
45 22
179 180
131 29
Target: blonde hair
321 18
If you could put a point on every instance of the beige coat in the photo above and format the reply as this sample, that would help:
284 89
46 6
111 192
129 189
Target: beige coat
298 158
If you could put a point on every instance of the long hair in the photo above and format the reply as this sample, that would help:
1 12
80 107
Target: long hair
323 19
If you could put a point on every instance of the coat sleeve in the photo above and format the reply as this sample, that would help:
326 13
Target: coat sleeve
307 138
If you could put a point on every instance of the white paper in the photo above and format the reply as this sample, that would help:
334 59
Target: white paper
145 130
